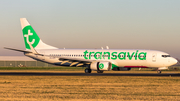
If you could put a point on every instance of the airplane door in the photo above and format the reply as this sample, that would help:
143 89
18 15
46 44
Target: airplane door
154 57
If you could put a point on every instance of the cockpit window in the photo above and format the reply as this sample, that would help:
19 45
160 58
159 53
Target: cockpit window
166 56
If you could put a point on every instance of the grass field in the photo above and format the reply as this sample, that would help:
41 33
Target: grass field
89 87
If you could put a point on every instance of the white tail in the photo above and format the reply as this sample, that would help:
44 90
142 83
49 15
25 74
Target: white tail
30 37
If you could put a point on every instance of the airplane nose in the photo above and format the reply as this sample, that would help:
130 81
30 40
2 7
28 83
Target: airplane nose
174 61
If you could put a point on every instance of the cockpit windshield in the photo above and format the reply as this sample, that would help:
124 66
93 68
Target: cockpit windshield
166 56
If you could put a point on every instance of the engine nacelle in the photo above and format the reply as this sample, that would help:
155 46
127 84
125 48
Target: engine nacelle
102 66
121 69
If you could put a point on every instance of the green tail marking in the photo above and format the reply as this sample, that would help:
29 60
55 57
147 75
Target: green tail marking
30 36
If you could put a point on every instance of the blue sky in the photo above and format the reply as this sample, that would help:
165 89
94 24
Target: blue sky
130 24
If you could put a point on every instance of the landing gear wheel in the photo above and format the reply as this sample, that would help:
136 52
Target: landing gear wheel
99 71
87 70
159 71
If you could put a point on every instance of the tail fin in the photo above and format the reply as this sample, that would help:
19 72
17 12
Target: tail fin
30 37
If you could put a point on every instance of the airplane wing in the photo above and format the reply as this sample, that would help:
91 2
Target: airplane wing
75 61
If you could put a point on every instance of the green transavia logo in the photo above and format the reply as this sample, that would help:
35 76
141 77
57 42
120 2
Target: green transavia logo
30 37
115 55
101 66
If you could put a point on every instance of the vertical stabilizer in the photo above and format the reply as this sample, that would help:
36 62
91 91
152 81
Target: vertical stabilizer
30 37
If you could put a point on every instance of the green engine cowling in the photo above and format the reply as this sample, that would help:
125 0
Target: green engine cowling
101 66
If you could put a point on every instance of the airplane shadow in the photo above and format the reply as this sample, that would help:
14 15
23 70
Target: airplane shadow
84 74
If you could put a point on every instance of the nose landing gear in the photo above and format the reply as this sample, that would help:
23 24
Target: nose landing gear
159 71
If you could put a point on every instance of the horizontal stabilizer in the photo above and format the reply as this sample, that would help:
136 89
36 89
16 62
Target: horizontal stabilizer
25 51
18 50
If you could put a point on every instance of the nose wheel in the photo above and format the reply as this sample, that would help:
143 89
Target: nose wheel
159 71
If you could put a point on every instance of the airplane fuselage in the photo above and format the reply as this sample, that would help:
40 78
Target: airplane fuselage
119 58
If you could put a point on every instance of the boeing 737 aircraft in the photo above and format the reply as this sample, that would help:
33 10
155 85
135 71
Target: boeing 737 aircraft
94 59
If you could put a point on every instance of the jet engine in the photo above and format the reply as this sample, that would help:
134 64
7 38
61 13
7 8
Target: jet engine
101 66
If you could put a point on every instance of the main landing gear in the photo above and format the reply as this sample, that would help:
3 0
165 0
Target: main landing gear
87 70
99 71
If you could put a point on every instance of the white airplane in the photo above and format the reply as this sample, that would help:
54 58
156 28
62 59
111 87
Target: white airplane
94 59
